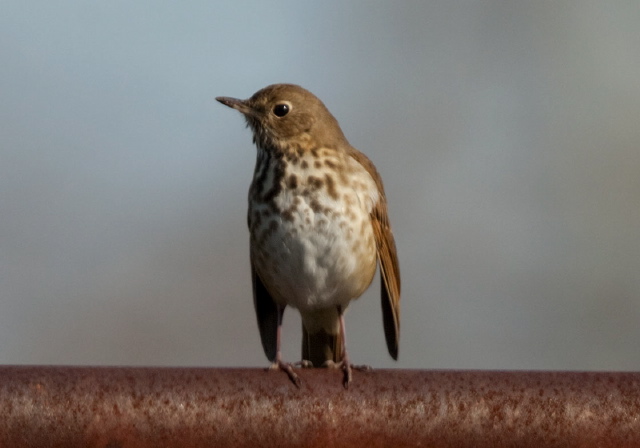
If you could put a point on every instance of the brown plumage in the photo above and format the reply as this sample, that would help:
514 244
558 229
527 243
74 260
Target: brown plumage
318 226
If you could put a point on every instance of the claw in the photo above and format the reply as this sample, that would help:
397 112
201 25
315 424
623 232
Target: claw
305 364
347 369
288 369
363 368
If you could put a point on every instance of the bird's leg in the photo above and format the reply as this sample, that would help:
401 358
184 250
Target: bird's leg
346 363
278 363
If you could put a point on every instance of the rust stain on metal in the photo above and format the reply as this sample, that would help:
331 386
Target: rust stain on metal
190 407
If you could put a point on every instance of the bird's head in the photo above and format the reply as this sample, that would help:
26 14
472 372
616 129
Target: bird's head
285 114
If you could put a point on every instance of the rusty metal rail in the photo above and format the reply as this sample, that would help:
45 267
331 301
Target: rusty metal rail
190 407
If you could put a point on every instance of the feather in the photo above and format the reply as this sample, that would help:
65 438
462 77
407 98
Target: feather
267 313
387 259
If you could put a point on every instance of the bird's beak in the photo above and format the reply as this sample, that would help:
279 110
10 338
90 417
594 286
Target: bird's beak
234 103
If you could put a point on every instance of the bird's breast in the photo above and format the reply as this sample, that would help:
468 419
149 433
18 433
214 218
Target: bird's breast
312 241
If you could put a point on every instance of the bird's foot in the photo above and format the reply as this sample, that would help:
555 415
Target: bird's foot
288 369
304 364
347 369
363 368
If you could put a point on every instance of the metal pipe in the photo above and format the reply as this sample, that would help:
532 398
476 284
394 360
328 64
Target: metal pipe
197 407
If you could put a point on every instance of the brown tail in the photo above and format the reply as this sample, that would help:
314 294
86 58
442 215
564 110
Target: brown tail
321 347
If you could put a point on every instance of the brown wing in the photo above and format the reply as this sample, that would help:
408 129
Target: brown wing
389 277
267 313
387 258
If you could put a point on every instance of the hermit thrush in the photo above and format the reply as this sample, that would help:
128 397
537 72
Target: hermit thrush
318 226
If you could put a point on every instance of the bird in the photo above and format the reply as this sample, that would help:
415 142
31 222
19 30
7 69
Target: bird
318 226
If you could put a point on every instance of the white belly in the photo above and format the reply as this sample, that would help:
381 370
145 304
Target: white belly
316 260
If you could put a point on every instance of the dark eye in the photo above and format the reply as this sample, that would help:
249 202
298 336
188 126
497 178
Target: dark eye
281 109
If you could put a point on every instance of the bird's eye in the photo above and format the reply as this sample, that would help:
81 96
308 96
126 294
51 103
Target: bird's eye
281 109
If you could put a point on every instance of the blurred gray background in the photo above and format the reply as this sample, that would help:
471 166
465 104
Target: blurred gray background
507 134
